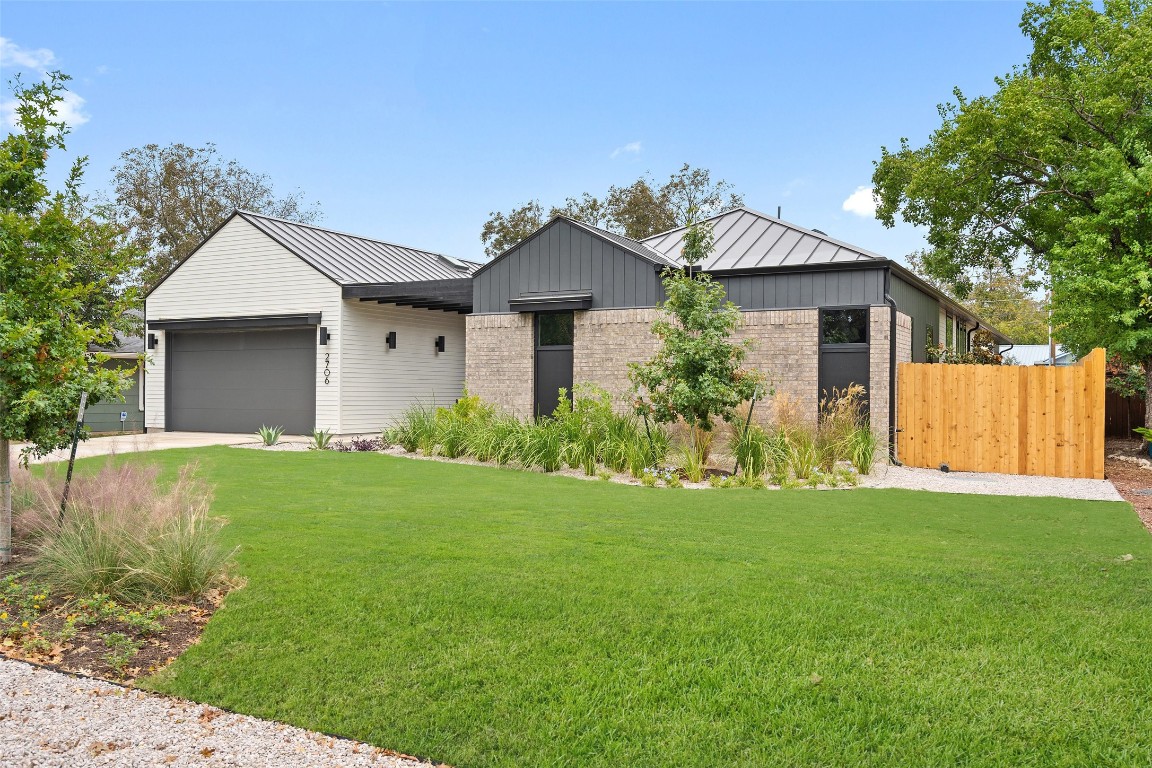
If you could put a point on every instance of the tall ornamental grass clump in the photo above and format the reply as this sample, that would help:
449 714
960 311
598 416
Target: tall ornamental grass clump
125 534
583 433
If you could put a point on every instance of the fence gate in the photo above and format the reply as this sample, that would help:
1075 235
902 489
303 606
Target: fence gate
1021 420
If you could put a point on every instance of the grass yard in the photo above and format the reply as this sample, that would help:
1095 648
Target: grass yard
486 617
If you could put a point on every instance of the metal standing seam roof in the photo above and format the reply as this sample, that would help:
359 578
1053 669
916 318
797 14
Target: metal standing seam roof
351 259
627 243
748 239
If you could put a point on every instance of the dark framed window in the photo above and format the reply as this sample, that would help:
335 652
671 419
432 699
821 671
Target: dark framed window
555 329
844 326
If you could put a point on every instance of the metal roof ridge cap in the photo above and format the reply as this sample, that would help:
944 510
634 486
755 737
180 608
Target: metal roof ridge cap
246 213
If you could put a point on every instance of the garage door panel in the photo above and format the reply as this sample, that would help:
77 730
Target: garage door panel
238 381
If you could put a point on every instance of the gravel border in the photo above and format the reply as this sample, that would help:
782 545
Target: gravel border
989 483
50 719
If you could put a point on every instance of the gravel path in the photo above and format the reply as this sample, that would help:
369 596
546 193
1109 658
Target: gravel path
49 719
917 479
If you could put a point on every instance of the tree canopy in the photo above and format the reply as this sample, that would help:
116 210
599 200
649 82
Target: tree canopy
172 198
638 210
64 286
1053 171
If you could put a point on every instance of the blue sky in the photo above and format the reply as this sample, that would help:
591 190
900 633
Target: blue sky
411 122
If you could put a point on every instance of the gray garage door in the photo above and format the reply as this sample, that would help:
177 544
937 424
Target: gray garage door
236 381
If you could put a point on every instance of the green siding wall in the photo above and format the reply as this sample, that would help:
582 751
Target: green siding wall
105 417
924 311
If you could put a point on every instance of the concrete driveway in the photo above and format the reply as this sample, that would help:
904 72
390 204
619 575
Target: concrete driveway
156 441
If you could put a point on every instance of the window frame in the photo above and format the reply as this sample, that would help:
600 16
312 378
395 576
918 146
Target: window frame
867 308
536 330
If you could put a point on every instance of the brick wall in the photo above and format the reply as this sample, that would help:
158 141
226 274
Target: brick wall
786 347
606 341
499 363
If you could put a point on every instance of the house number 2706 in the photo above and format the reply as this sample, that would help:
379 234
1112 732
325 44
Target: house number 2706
327 370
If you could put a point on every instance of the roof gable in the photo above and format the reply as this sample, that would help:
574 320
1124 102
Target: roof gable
748 239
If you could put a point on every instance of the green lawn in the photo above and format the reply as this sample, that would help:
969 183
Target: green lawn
487 617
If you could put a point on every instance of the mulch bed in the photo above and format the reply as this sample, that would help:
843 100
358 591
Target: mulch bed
98 638
1129 477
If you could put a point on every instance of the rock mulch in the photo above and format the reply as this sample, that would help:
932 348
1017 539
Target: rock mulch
48 719
989 483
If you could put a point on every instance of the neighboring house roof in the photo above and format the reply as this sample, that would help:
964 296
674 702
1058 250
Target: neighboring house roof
351 259
748 239
1036 354
123 346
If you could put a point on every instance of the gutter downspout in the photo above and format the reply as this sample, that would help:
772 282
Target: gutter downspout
891 366
970 332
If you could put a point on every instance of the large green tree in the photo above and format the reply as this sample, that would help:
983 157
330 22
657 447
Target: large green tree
172 198
638 210
1053 171
63 286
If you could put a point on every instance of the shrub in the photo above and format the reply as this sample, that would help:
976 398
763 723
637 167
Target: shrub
416 428
269 435
126 536
750 444
320 440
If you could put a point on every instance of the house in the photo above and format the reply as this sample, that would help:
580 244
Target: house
1035 354
271 322
574 304
125 414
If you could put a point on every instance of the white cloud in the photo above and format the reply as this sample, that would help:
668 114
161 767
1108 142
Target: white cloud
861 202
12 55
631 148
70 111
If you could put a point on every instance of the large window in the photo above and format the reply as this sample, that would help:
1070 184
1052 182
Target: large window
844 326
554 329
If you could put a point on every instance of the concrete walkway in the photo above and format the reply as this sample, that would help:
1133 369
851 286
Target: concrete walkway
156 441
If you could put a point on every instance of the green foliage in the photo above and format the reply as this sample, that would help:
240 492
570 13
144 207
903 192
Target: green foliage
62 274
1129 381
638 210
172 198
120 650
320 440
269 435
1053 170
696 375
751 447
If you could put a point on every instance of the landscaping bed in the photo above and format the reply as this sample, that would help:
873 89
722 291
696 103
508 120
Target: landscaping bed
1130 471
95 636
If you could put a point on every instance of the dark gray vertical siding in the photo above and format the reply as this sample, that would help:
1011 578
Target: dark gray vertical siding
565 258
924 311
806 289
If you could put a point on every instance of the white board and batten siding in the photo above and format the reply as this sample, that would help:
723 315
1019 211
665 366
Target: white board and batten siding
377 383
242 272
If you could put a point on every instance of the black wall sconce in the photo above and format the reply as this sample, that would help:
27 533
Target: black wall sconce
153 341
391 339
439 343
324 336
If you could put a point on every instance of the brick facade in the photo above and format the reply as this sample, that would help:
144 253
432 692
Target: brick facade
786 346
499 365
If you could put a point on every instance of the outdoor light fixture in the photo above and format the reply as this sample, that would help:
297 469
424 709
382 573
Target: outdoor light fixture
323 336
439 343
152 341
391 339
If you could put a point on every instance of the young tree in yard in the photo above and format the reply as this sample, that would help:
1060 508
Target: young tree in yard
1054 170
172 198
62 287
696 375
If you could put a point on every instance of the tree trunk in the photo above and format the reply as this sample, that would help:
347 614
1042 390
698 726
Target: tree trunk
5 500
1147 397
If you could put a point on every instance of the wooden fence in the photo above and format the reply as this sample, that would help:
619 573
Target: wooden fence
1022 420
1121 414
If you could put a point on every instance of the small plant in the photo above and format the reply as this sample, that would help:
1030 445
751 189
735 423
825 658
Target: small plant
648 478
121 649
750 444
862 449
320 440
269 435
145 622
692 462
